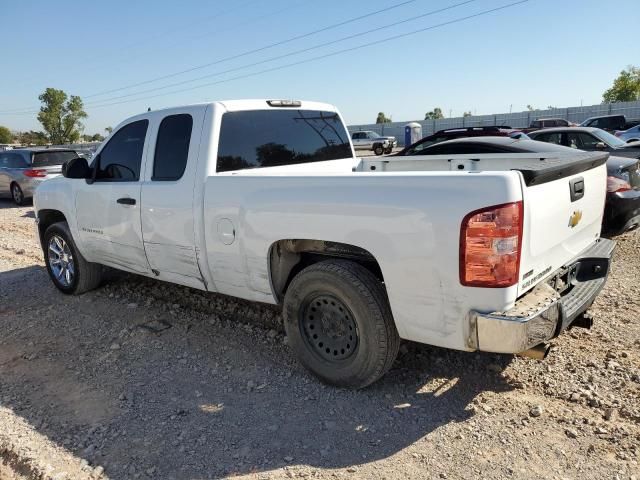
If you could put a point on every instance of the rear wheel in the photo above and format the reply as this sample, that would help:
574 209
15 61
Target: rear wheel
339 323
68 269
17 194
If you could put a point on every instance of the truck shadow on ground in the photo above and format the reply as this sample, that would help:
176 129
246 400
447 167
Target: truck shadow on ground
208 396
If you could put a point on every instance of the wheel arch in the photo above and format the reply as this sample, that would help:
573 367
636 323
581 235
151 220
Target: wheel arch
46 218
287 257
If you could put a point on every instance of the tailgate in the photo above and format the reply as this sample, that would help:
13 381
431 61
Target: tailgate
563 209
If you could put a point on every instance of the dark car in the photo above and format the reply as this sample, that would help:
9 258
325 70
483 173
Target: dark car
622 206
542 123
610 123
453 133
588 139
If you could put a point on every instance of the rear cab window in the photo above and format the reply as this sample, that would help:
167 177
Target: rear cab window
269 138
48 159
172 147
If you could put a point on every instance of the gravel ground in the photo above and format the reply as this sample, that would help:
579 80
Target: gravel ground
142 379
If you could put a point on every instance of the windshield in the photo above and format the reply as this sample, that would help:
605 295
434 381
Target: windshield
374 135
609 139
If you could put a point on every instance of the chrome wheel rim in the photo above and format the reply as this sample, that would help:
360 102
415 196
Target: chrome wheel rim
61 261
17 194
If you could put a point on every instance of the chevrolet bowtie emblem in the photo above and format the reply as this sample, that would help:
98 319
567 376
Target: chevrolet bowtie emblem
575 218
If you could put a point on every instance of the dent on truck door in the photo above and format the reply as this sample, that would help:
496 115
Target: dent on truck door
108 210
167 197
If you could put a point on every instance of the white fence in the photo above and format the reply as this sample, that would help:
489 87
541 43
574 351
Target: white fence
516 120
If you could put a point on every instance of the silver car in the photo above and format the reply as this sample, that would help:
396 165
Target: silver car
630 135
22 170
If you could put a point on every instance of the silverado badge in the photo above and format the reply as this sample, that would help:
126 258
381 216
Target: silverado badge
575 218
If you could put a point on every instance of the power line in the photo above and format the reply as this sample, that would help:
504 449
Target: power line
233 57
320 57
279 57
256 50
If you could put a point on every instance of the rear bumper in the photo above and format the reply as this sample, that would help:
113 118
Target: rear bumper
542 314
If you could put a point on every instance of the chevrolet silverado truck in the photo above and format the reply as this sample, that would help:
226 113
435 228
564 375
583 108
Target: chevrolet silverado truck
266 201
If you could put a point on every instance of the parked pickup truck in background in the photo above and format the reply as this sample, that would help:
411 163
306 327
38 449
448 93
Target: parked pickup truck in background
610 123
265 200
542 123
368 140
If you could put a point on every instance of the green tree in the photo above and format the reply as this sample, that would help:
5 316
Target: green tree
382 118
466 114
625 88
531 109
61 115
5 135
32 138
97 138
108 130
434 114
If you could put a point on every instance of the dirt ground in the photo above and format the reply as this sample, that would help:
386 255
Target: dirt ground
142 379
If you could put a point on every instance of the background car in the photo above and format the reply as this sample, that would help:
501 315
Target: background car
22 170
542 123
370 140
630 135
588 139
453 133
610 123
622 205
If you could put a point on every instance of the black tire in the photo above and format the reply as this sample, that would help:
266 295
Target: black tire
360 312
388 150
378 149
17 194
86 275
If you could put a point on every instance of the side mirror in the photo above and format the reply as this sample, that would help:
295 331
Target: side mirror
600 145
76 168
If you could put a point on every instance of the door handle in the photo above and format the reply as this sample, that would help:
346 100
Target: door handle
126 201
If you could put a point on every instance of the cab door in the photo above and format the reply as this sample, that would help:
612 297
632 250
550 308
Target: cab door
168 199
108 206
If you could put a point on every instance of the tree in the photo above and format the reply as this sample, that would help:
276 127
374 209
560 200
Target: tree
434 114
531 109
5 135
625 88
466 114
108 130
92 138
32 138
60 116
382 118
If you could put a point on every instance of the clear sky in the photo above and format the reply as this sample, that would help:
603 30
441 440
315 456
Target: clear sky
542 52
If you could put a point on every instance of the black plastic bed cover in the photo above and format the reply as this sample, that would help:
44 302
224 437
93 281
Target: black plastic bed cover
548 169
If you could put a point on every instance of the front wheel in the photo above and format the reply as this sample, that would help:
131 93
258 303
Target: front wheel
378 149
339 324
68 269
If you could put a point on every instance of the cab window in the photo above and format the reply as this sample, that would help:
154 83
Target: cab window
172 147
120 159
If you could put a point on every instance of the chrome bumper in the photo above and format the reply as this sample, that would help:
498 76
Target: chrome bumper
542 313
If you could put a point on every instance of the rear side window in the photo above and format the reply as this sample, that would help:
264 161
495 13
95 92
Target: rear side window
555 137
120 159
172 147
269 138
47 159
12 160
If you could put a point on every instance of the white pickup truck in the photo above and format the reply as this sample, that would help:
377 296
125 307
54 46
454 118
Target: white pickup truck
265 200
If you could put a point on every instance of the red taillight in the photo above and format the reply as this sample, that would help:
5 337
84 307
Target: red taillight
35 173
490 244
615 184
